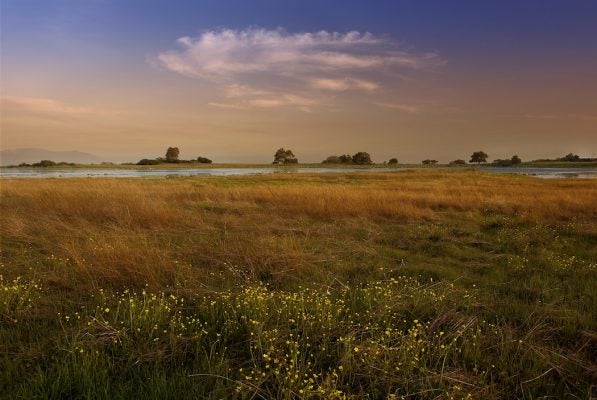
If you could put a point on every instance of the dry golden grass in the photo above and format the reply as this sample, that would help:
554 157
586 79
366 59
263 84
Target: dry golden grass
159 231
428 284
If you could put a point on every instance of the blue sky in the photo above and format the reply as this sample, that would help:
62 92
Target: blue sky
503 73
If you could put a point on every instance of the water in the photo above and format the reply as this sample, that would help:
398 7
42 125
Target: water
161 172
548 173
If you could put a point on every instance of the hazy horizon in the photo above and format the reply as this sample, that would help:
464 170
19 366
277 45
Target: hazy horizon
234 81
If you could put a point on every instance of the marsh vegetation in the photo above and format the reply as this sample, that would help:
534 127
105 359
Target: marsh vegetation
419 285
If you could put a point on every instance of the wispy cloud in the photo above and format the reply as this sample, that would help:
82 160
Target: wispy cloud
303 64
236 90
228 106
268 100
341 85
226 53
44 106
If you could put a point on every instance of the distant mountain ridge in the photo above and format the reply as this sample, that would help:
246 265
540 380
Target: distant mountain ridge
31 155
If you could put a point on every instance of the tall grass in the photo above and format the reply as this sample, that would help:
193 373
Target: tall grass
414 285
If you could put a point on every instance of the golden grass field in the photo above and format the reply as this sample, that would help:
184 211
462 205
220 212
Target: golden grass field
525 248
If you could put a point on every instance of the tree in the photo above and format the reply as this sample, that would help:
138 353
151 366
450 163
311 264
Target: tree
45 163
479 157
362 158
458 162
393 161
203 160
570 157
503 163
332 160
429 162
284 157
146 161
507 162
345 159
172 154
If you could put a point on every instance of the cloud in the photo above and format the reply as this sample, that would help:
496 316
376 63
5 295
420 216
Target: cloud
272 100
227 53
341 85
43 106
237 90
397 106
266 103
229 106
278 63
46 108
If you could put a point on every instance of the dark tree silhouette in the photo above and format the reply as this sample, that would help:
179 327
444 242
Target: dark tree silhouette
146 161
172 154
507 162
570 157
203 160
332 160
393 161
479 157
458 162
429 162
45 163
362 158
345 159
284 157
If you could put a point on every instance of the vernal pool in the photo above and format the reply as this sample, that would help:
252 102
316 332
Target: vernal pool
163 172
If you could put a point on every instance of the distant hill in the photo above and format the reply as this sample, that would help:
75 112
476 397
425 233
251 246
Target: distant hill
31 155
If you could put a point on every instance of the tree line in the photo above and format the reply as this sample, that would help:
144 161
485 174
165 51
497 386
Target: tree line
287 156
171 157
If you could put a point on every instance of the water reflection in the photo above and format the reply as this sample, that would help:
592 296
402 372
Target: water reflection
168 173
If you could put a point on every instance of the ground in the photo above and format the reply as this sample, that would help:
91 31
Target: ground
427 284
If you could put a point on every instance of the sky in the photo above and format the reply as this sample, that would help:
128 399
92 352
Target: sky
236 80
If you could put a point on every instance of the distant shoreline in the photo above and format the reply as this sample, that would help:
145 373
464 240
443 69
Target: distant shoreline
197 165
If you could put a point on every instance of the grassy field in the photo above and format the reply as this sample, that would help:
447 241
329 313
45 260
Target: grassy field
415 285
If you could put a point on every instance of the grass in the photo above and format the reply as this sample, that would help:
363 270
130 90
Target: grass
417 285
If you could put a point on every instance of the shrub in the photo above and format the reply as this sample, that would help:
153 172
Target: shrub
345 159
203 160
147 161
45 163
362 158
458 162
502 163
332 160
393 161
570 157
